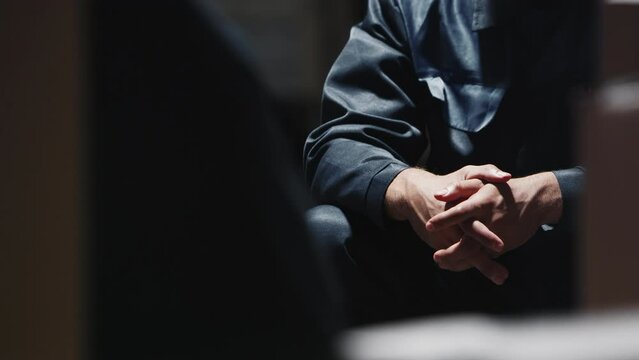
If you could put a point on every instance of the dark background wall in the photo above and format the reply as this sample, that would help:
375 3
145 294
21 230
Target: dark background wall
294 43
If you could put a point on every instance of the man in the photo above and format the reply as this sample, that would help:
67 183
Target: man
432 105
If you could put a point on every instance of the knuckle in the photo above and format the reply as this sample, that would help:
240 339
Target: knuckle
455 187
474 207
460 208
476 183
469 170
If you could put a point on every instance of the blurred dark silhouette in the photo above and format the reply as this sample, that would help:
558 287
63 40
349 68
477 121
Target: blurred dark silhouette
182 132
295 42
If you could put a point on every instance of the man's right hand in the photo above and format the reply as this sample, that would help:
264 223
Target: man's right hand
411 196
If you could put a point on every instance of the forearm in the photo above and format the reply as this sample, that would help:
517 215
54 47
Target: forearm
372 117
353 175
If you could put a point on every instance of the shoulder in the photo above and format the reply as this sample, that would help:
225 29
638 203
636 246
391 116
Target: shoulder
417 17
403 17
409 9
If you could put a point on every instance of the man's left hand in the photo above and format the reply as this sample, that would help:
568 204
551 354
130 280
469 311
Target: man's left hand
513 211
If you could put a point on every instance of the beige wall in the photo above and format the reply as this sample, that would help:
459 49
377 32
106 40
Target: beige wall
39 177
610 131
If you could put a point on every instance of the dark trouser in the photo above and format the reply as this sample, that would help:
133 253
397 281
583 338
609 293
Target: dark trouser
388 274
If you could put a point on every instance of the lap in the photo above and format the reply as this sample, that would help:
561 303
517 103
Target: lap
400 279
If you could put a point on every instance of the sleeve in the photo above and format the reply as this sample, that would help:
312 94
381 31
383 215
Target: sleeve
372 120
571 183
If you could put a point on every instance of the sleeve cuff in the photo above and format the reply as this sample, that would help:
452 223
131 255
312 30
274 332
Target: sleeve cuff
377 191
571 182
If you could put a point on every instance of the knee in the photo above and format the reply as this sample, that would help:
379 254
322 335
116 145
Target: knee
328 226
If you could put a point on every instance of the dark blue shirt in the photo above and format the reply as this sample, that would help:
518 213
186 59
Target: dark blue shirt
444 84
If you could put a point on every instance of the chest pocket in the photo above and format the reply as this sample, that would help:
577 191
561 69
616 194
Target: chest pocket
462 56
467 106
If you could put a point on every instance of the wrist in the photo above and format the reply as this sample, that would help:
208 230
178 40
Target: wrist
395 203
547 197
396 200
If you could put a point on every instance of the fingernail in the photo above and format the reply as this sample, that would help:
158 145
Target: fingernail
442 192
429 226
501 173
